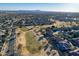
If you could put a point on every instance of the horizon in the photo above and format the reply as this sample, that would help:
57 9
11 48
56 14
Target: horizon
56 7
43 11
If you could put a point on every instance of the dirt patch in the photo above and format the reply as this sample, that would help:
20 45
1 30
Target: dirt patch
20 44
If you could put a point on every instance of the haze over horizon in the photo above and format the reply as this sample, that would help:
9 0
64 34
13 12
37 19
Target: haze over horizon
60 7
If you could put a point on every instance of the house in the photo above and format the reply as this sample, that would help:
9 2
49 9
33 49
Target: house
75 42
63 46
74 53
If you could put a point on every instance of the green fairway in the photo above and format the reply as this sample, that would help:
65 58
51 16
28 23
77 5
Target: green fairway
31 44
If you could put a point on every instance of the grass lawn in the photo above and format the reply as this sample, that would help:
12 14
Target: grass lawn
31 44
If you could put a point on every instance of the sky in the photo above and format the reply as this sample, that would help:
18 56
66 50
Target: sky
64 7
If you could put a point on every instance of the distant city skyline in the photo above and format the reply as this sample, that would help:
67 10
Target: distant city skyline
63 7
